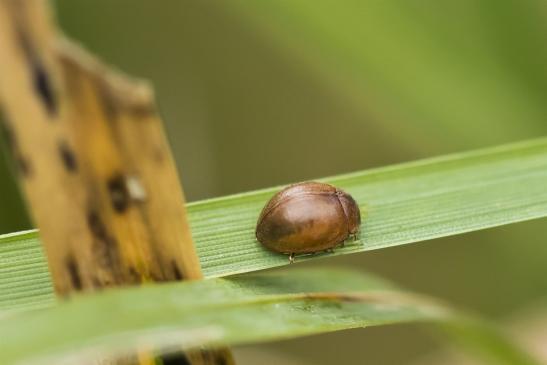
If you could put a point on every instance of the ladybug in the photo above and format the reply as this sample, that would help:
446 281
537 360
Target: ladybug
308 217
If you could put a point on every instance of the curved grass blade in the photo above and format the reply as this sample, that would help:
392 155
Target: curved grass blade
246 309
402 204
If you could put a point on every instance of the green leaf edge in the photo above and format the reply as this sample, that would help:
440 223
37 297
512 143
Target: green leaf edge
238 310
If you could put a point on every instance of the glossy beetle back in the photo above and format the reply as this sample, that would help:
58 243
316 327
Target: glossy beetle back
307 217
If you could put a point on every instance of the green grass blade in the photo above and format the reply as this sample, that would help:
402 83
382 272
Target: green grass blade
25 282
247 309
402 204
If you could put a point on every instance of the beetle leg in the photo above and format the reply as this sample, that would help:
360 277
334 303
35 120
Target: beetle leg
291 258
343 244
330 250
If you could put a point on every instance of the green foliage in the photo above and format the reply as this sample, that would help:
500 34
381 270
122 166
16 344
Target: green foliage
401 204
380 81
244 309
464 73
24 277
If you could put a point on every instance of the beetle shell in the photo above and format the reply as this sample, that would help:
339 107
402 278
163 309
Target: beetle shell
307 217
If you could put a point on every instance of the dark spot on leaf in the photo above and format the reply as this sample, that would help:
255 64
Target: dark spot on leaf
40 78
119 196
176 271
104 245
176 359
68 157
73 273
43 87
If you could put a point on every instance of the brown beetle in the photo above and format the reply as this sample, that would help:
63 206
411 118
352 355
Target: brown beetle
307 217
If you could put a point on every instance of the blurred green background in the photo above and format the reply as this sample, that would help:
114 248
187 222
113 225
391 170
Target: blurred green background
261 93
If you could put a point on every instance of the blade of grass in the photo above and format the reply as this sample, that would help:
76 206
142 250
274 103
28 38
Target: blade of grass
402 204
246 309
